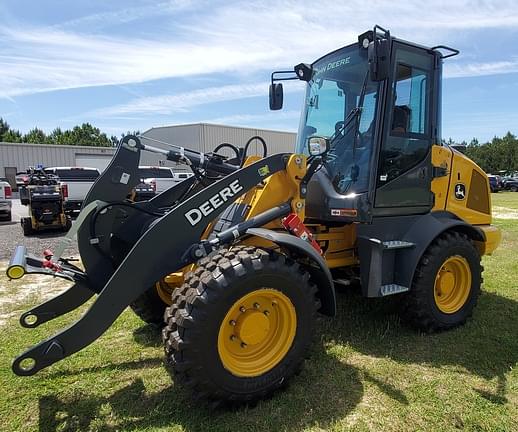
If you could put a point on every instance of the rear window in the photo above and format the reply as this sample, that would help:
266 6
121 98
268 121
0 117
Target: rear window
183 176
78 174
155 173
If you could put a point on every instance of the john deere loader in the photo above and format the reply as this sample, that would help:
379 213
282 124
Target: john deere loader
237 261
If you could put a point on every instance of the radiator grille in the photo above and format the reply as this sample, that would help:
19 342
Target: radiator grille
478 196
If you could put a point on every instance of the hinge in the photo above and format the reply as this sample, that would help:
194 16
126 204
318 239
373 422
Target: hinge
439 171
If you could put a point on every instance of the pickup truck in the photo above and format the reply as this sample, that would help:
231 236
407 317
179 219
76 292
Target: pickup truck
161 178
5 200
78 182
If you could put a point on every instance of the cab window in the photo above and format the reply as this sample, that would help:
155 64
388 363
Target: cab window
409 115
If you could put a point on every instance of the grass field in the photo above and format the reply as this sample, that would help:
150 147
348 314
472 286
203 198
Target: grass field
366 372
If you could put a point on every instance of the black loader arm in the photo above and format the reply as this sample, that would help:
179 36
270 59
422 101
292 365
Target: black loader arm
163 248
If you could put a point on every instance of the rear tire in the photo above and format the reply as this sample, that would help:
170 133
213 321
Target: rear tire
440 301
226 369
149 307
68 224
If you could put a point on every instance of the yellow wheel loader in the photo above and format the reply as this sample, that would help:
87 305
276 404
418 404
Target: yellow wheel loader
236 262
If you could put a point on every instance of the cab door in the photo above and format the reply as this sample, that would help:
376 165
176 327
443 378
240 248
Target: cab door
403 182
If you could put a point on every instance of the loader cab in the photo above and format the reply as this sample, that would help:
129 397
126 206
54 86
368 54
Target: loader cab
380 129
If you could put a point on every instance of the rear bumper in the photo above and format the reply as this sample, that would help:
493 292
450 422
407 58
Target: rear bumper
493 237
5 206
73 205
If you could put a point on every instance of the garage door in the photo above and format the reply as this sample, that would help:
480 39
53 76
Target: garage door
98 161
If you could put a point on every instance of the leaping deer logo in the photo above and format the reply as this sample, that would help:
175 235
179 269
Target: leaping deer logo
460 191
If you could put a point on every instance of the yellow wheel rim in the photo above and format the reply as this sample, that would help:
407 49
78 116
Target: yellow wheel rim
257 332
164 291
452 284
165 287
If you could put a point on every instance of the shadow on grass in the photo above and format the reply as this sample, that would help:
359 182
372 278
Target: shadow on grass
148 336
327 389
313 398
131 365
487 346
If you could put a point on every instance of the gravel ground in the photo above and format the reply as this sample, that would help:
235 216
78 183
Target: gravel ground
11 235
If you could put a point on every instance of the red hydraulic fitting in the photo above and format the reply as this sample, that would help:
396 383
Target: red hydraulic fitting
295 226
51 265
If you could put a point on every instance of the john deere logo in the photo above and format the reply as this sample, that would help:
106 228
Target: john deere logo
264 171
460 191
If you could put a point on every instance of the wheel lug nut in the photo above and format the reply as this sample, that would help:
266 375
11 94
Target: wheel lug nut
243 345
257 305
267 312
232 337
242 309
232 323
274 303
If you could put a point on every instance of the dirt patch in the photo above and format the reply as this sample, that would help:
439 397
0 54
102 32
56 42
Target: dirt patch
504 213
31 289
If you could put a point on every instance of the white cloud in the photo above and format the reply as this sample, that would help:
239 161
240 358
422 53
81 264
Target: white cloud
230 37
181 102
458 70
126 15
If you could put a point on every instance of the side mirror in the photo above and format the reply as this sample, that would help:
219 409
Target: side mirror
379 59
317 146
276 96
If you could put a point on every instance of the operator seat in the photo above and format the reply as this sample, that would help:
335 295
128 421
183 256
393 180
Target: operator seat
401 119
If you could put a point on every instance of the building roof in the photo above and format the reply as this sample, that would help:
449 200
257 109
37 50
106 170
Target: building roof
217 125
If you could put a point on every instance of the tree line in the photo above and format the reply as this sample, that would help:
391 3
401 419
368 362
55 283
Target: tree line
497 155
84 135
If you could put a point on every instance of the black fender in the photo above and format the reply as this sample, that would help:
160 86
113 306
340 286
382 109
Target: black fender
320 274
422 232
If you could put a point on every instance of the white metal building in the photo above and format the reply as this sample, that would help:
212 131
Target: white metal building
203 137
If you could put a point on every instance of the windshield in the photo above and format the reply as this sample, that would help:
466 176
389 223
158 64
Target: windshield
333 93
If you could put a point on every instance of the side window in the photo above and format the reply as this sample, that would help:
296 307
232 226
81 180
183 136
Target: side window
409 115
408 140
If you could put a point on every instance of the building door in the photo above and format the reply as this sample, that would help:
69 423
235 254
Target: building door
10 175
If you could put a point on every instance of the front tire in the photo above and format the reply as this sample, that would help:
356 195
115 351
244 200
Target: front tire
245 326
446 285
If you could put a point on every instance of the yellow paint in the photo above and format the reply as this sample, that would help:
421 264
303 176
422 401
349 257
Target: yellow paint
461 172
338 244
441 158
452 284
493 237
257 332
279 188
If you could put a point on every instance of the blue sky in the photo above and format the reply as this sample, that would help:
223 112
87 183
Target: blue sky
126 65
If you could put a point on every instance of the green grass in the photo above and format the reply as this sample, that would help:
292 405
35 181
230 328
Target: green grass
366 372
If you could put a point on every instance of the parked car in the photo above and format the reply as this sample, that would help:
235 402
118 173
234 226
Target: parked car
161 178
79 180
5 199
495 182
21 178
143 192
511 184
